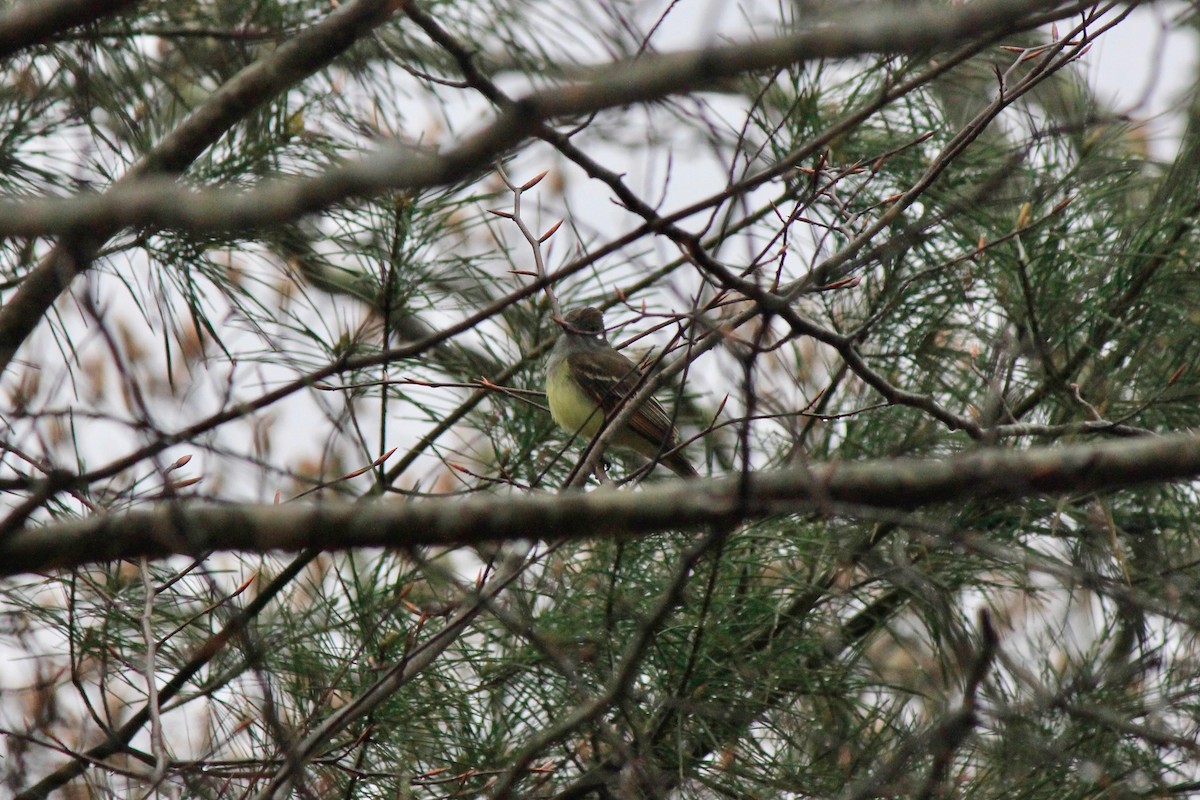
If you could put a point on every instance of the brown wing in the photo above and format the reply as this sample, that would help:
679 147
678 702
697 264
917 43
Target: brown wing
652 424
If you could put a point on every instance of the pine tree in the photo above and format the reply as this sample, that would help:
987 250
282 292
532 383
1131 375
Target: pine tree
284 513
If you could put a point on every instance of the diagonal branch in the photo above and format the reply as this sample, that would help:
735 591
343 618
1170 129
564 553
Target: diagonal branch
293 61
34 21
649 78
120 738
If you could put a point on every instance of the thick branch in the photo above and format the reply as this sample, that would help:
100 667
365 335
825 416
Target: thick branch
398 166
34 21
889 484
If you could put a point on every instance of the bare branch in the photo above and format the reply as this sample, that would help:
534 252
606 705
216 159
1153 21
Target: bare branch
164 204
34 21
896 484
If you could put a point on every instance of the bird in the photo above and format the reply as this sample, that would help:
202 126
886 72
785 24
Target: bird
588 382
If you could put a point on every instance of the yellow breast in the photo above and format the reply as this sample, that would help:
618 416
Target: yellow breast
571 408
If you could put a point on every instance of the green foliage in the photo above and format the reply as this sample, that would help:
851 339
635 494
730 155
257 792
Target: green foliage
1024 267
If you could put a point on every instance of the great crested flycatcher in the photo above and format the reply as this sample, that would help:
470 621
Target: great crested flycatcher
588 382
